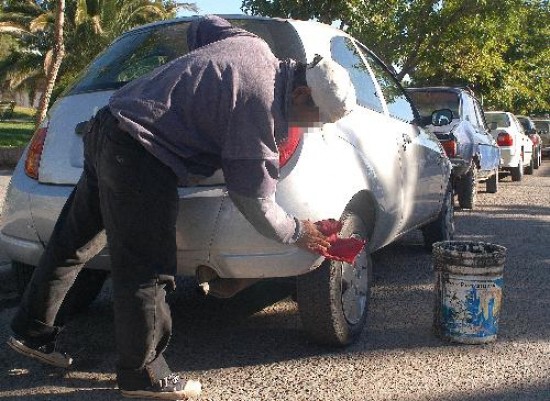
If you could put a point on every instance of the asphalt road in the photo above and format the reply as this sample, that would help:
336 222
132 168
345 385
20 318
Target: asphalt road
253 348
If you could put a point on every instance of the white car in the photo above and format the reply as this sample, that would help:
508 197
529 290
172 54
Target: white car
516 148
375 169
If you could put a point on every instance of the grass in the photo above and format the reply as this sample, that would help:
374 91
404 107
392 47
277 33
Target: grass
18 130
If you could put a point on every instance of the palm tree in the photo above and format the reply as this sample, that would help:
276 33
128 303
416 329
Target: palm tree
90 25
54 57
26 21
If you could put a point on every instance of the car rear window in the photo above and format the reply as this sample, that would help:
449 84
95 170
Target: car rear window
501 119
428 101
139 52
542 125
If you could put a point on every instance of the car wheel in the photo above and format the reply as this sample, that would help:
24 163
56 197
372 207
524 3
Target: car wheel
443 228
517 172
467 189
84 291
333 299
530 168
491 185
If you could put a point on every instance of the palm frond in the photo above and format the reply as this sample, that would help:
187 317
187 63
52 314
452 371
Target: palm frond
42 22
13 29
81 13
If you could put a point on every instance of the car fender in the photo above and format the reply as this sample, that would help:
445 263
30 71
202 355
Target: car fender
312 187
355 176
18 235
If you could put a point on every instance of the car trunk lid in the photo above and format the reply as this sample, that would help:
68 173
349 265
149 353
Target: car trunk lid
61 161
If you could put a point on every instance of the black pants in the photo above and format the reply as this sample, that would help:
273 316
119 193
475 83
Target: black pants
133 196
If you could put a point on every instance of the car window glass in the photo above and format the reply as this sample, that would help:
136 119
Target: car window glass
140 51
133 55
480 117
396 100
346 54
518 124
468 109
501 119
542 125
427 101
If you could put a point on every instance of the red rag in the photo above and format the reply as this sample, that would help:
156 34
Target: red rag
341 249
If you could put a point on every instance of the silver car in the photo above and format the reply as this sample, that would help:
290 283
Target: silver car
375 169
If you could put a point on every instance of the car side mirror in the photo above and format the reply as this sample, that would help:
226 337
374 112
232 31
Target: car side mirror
442 117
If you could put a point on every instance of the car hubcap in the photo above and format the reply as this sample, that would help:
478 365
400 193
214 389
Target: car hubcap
355 282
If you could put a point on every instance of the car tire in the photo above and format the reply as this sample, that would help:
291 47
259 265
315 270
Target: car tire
517 172
491 185
84 291
467 189
443 228
530 168
333 299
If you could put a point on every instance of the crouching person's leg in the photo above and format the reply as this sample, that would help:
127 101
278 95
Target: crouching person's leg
139 201
76 239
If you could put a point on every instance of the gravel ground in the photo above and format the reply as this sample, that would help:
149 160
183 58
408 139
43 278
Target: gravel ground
252 347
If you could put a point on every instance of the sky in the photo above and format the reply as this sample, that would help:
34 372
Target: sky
215 7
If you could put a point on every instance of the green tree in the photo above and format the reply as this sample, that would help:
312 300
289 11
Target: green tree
90 25
493 46
23 67
523 83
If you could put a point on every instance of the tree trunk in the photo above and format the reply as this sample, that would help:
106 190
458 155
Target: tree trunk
52 68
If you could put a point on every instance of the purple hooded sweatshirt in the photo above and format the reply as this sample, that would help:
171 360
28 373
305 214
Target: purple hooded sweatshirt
222 105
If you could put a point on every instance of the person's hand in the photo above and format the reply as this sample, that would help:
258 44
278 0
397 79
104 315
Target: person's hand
312 239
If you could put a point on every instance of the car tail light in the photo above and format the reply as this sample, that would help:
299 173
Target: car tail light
450 147
534 139
505 139
289 145
34 154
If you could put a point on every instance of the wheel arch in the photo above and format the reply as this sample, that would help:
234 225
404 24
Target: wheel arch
364 204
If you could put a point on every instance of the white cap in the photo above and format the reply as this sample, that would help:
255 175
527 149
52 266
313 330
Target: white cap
331 89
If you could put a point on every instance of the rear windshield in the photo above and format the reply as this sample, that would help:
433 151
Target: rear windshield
542 125
501 119
526 123
139 52
429 101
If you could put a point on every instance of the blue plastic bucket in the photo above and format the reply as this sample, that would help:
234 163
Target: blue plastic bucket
468 289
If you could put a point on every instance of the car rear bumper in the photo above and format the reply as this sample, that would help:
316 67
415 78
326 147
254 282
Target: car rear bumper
210 232
509 157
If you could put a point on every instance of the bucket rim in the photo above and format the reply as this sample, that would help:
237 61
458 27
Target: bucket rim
485 248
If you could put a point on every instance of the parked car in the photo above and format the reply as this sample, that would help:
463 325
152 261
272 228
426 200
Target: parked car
543 126
375 169
516 148
531 130
474 154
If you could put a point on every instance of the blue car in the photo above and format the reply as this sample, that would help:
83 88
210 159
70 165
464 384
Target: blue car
456 117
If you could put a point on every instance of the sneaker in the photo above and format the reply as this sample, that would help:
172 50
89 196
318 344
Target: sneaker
45 353
169 388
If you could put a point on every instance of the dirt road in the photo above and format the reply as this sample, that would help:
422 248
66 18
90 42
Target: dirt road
253 348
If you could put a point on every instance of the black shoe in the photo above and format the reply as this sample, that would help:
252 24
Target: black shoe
169 388
45 353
